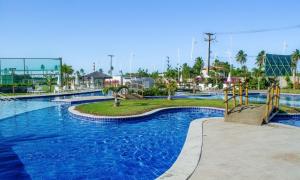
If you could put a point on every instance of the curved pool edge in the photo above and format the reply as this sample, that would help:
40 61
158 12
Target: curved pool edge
79 114
190 154
276 124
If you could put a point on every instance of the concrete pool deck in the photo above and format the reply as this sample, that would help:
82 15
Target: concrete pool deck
239 151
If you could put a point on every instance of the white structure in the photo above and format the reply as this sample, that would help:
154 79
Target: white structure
147 82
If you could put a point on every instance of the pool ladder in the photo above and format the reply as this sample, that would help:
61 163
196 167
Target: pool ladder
5 97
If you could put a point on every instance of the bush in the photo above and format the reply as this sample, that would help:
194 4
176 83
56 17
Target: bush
155 91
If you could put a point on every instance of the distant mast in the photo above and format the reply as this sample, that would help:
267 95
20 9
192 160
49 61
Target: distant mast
111 67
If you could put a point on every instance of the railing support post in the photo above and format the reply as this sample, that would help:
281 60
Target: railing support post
246 101
226 100
267 105
233 95
277 97
240 94
272 96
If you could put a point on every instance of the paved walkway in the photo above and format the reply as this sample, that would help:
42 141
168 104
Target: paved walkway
239 151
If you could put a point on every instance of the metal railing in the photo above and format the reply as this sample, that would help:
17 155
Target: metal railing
272 104
137 88
240 90
5 97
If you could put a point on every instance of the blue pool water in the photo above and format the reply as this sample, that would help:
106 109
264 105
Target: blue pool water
285 99
50 144
293 120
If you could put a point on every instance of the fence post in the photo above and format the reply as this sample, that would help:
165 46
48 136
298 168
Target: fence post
233 95
272 96
267 105
277 97
226 101
240 93
247 101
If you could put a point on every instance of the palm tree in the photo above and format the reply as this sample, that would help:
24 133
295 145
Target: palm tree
82 74
241 57
66 71
258 73
115 91
260 59
171 86
295 59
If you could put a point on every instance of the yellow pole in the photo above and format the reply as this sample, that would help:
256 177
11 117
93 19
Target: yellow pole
272 96
247 102
240 93
278 97
233 95
226 101
268 104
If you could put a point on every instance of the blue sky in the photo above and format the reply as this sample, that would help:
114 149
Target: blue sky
83 32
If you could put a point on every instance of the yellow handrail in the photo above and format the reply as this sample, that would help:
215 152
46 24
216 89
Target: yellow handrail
272 100
232 89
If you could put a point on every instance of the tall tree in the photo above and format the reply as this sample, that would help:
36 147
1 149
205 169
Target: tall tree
66 72
295 59
258 73
241 57
186 71
260 59
198 66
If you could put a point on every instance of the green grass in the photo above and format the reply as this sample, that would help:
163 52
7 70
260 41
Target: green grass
291 91
133 107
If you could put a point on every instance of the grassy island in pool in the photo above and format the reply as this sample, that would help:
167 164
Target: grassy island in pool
133 107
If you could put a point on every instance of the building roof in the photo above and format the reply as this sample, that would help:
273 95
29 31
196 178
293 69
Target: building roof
97 75
278 65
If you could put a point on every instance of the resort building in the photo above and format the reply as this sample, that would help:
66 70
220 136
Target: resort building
96 79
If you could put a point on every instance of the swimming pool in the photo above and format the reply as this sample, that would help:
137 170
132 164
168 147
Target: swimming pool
293 120
285 99
48 143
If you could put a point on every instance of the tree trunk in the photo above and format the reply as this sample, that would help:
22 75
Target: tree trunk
294 79
169 94
116 103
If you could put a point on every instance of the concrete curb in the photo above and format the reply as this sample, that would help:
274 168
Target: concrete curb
190 155
274 124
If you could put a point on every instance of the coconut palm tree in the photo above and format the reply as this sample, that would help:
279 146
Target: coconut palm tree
241 57
170 86
258 73
115 91
260 59
295 59
66 71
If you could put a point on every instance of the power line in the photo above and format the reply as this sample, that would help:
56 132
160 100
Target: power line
260 30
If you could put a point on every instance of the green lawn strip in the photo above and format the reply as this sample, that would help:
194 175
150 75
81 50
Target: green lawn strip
133 107
290 91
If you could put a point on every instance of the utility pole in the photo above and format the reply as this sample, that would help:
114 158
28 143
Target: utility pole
111 67
209 39
94 66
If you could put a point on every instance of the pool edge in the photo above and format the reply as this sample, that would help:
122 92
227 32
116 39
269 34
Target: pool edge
190 154
78 114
